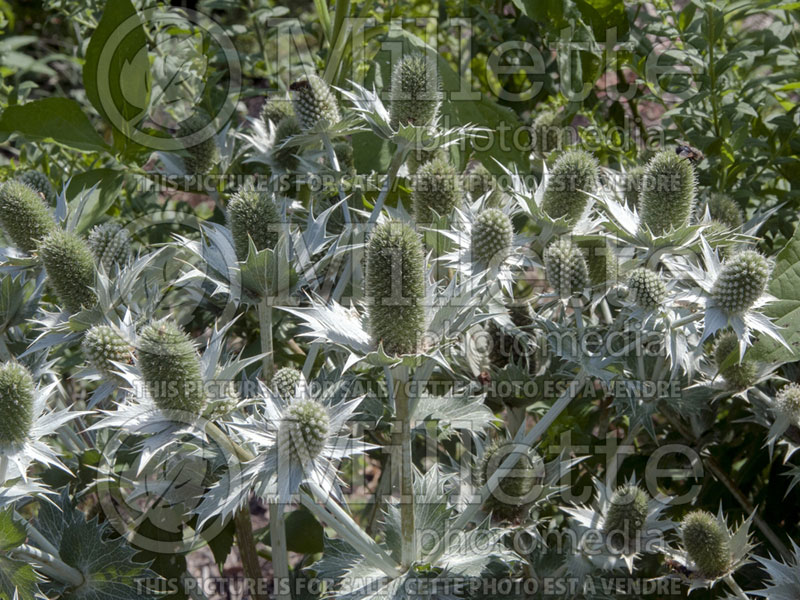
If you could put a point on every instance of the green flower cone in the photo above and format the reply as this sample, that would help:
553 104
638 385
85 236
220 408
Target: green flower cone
70 269
574 176
252 215
25 217
668 191
16 403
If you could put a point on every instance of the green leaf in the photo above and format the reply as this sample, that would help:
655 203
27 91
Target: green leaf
12 531
59 120
109 183
785 286
303 532
17 577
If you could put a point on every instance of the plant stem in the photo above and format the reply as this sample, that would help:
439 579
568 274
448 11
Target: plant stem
3 468
265 327
248 552
397 162
326 140
280 551
50 565
401 440
735 587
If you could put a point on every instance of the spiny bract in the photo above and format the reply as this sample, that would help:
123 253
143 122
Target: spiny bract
276 108
787 403
627 512
414 94
314 102
741 282
24 215
723 208
16 403
707 543
171 368
110 245
103 347
738 375
252 215
285 382
39 182
492 234
565 267
436 189
304 430
70 269
396 287
573 178
667 192
511 497
647 288
202 154
507 346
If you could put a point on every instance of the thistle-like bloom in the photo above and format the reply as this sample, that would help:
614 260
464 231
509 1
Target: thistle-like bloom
414 94
436 190
515 492
70 269
281 154
171 368
738 375
601 262
478 181
741 282
787 404
707 542
276 108
547 132
668 192
647 288
25 217
253 216
286 382
573 178
314 102
16 403
724 209
396 288
492 234
110 245
304 430
626 514
565 267
39 182
202 154
103 347
420 156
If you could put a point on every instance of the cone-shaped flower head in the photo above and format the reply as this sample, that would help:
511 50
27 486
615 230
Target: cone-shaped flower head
276 108
626 513
738 375
741 282
565 267
547 133
103 347
787 402
285 382
344 156
414 94
16 403
707 543
24 215
478 181
284 156
647 288
171 368
573 177
602 262
511 497
667 192
202 154
396 288
110 244
437 188
39 182
314 101
304 431
633 186
252 215
70 269
418 157
507 346
492 234
723 208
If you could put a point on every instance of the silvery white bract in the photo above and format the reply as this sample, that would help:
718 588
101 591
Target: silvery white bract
784 577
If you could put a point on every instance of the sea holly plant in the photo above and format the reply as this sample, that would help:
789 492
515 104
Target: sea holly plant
308 318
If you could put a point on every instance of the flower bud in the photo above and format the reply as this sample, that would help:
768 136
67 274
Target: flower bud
16 403
602 264
547 133
668 192
741 282
313 102
39 182
344 156
707 543
479 181
304 430
510 497
285 156
171 368
24 215
285 382
436 189
565 267
110 245
103 347
396 288
647 289
724 209
508 346
418 157
70 269
252 215
626 513
202 155
787 403
414 96
573 177
738 375
276 108
492 235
